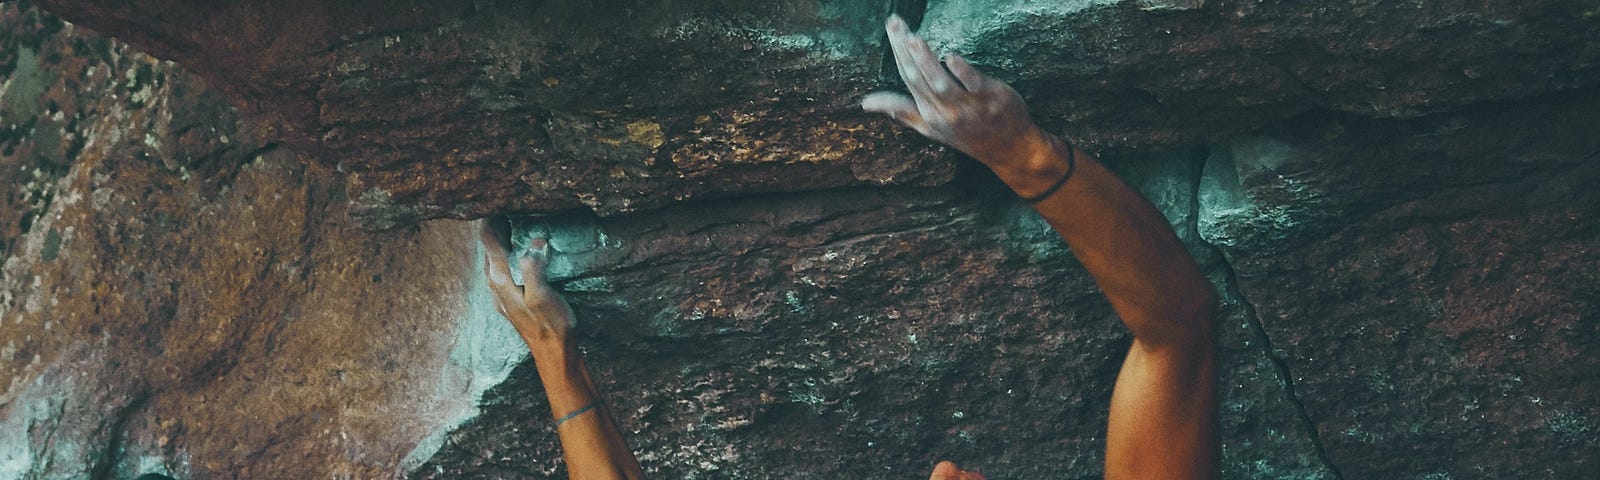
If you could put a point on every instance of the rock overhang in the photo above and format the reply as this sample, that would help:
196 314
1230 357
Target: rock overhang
430 110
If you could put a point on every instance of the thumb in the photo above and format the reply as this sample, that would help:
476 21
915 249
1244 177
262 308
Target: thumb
897 105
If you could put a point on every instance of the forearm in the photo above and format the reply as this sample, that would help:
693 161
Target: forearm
1121 239
590 441
1163 412
1162 422
564 376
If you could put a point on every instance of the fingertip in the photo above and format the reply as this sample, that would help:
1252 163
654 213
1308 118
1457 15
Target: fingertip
539 252
897 106
876 102
895 24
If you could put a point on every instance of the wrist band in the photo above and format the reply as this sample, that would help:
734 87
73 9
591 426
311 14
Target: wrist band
1072 164
575 414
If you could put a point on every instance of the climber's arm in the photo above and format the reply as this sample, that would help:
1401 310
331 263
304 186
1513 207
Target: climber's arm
1163 409
590 441
1163 412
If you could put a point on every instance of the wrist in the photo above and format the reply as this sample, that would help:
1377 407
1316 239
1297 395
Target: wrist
556 353
1038 162
540 336
563 374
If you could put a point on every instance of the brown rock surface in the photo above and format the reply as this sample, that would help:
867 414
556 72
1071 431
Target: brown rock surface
452 109
180 297
1395 200
1437 321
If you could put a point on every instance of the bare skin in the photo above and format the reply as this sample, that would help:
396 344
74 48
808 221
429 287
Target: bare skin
1163 408
590 441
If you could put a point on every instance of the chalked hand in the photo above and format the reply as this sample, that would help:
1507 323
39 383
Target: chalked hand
958 106
536 310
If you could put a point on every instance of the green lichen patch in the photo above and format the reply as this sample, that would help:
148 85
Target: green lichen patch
52 245
28 83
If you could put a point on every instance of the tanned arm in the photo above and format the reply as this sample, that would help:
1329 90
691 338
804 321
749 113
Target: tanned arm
590 441
1163 409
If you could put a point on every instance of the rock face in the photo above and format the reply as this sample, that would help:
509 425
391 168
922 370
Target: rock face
180 296
1395 201
441 109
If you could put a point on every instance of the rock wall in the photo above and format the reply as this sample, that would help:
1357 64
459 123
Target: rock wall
182 297
1396 202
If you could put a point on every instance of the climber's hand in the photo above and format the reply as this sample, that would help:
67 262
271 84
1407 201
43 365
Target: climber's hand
959 107
536 310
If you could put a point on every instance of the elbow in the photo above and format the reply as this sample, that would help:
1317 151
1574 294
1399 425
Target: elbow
1191 313
1181 315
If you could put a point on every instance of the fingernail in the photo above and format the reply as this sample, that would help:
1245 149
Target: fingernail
539 249
895 23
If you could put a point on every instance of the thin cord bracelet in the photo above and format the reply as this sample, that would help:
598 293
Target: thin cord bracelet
1072 165
575 414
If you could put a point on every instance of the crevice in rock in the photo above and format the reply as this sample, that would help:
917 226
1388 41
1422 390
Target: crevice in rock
1257 329
1278 363
260 152
105 465
912 12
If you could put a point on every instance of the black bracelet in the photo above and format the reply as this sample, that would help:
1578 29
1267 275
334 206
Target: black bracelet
1072 164
575 414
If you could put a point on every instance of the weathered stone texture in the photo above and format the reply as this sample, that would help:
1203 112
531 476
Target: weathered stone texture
1441 320
857 333
180 297
1395 200
449 109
